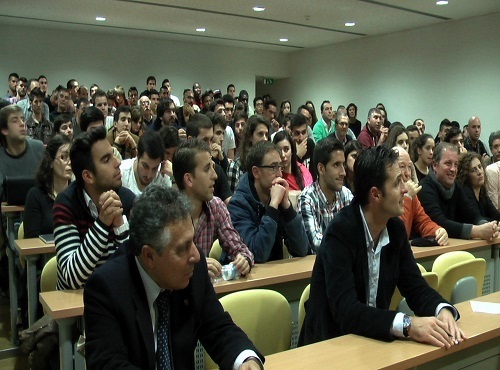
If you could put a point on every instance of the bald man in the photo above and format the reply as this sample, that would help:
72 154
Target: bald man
417 222
472 142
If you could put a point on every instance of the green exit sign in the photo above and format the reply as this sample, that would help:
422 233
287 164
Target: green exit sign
268 81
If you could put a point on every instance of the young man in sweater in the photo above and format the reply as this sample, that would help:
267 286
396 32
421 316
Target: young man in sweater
90 216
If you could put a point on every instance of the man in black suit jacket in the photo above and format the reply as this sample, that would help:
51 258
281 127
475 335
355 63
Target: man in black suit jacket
364 255
121 315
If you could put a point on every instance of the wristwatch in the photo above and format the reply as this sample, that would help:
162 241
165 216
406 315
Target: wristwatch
406 325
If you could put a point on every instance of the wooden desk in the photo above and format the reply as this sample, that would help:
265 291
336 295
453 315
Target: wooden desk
11 212
355 352
31 249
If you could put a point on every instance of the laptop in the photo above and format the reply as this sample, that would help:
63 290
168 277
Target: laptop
16 189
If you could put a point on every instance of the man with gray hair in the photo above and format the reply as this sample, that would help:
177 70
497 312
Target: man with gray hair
148 305
445 202
374 133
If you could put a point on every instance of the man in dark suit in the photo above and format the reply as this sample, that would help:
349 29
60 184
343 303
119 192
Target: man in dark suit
364 255
125 326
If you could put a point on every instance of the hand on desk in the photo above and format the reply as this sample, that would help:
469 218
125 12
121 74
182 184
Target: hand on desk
250 365
241 265
440 332
441 236
214 267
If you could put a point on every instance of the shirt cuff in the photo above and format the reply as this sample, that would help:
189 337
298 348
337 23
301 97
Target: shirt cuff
243 356
122 228
450 307
397 325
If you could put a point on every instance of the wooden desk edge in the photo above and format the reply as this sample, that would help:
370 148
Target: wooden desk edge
75 309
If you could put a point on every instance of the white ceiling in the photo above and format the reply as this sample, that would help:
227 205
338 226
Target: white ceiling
306 24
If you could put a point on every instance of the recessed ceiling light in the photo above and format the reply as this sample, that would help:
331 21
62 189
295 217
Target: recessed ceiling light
442 2
350 24
200 30
284 40
100 19
258 8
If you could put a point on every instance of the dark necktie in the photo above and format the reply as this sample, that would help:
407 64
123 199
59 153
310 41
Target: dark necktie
163 352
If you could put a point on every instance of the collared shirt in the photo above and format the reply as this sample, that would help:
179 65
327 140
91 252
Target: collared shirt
233 174
152 291
214 222
374 253
317 212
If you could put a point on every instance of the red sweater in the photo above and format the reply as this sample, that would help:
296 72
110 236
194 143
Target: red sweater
416 220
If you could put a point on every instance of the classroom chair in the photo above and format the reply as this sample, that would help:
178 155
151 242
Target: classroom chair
264 316
216 250
302 311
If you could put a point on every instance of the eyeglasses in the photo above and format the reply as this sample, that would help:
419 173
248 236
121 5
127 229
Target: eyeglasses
273 167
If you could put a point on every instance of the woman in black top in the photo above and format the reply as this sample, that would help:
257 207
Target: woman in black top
472 178
52 177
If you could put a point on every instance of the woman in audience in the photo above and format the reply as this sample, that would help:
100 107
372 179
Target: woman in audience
421 155
256 129
470 175
52 177
285 108
314 117
398 136
296 175
351 151
137 126
239 122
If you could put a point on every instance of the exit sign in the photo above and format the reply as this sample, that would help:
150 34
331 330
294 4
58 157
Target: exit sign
268 81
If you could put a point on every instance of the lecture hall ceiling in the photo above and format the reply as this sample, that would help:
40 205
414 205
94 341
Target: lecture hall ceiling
306 24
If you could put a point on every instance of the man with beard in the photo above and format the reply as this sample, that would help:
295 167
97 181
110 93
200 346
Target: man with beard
90 215
145 169
373 134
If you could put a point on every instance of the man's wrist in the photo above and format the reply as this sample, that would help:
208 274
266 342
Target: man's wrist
255 359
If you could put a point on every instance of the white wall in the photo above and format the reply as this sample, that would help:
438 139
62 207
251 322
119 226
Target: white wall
449 70
114 59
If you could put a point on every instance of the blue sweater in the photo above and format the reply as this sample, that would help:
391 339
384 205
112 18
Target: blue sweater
264 228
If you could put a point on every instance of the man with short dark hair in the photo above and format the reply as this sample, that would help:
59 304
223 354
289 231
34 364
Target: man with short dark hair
185 112
90 215
200 127
12 83
455 137
445 202
64 125
156 289
341 128
195 176
229 144
493 170
26 104
319 202
166 115
22 85
444 127
81 105
206 99
363 257
145 169
324 126
37 126
120 136
231 90
303 142
413 133
258 105
166 84
72 86
269 113
133 97
19 156
261 211
63 102
373 134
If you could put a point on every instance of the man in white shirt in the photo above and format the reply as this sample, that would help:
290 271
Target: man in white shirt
145 169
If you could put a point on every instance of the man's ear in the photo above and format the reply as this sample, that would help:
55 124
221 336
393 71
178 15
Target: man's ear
375 193
88 176
320 168
434 165
188 179
148 255
255 172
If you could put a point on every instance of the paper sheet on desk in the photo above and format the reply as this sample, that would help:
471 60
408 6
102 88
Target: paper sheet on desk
485 307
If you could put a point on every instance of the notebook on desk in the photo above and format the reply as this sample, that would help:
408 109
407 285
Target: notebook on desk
47 238
16 189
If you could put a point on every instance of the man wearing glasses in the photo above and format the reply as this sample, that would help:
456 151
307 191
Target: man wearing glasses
261 211
341 128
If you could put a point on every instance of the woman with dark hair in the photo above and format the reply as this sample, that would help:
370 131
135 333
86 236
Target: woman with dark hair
239 123
314 117
421 155
256 129
398 136
354 123
470 175
296 175
137 126
351 151
285 108
52 177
